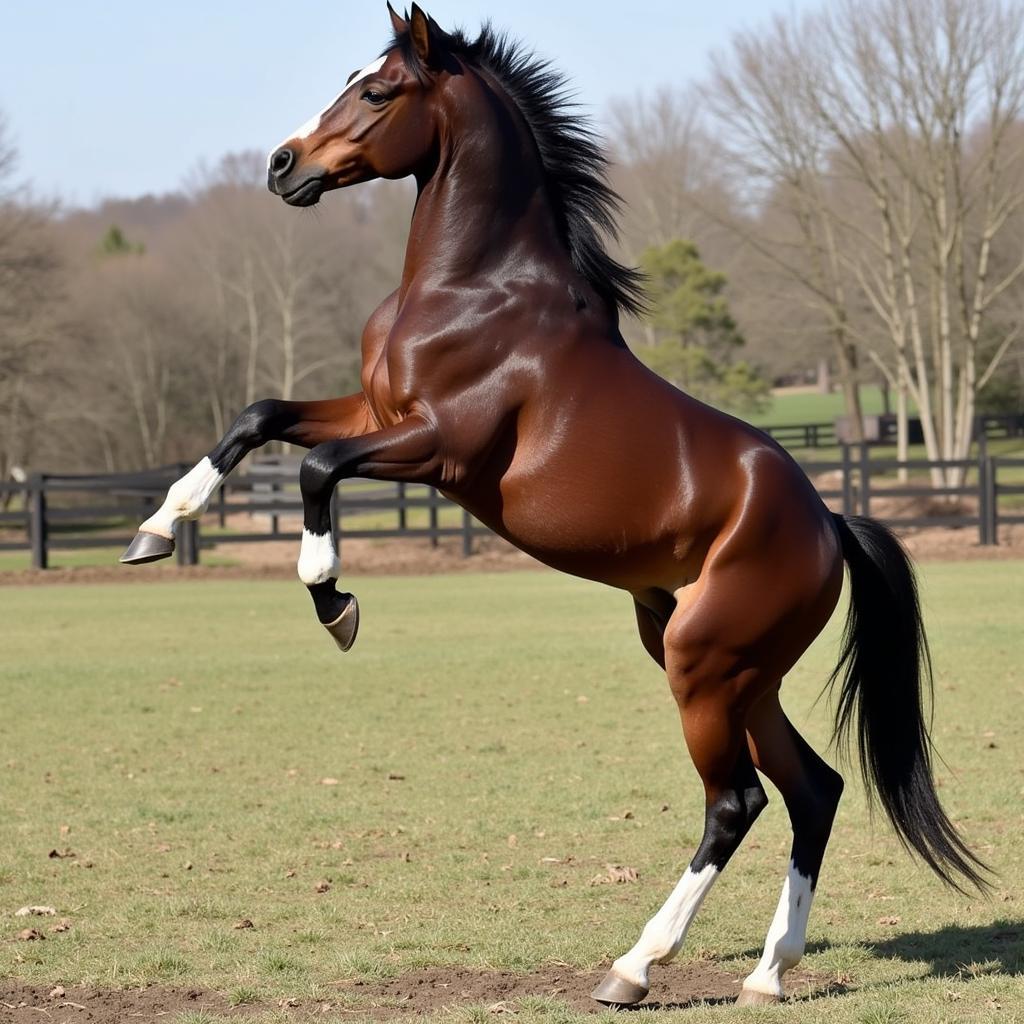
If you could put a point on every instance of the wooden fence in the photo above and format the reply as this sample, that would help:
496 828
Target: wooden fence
881 429
71 512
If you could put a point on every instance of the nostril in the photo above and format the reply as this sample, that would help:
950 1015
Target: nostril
282 161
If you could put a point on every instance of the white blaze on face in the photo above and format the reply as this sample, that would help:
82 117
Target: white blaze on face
786 937
307 129
664 934
187 498
318 558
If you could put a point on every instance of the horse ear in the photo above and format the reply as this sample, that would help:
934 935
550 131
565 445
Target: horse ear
424 38
398 23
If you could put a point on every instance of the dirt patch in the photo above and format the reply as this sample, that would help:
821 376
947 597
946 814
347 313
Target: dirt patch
275 560
940 544
417 993
21 1003
674 987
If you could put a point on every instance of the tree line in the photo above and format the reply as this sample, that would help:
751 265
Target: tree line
840 199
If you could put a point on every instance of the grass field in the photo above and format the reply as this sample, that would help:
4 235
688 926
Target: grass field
208 757
789 406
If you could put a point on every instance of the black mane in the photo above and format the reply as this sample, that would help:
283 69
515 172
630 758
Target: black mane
575 165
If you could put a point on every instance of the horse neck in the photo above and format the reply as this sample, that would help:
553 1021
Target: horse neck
484 202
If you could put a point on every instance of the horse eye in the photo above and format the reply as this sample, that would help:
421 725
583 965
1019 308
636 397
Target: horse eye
376 98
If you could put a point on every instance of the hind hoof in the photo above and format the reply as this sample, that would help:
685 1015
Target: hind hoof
615 990
346 625
147 547
750 997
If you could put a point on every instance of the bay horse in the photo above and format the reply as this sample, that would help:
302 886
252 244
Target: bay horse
497 373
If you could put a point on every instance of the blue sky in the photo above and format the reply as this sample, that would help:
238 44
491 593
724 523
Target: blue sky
124 98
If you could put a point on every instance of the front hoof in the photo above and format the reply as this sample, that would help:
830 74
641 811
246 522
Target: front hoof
147 547
346 625
751 997
615 990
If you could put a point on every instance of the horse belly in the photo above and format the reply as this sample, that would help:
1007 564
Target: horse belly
603 521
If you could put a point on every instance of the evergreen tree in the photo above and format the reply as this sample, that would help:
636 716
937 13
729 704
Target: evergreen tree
696 337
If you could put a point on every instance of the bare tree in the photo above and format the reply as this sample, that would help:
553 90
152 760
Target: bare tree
30 300
758 98
925 102
914 106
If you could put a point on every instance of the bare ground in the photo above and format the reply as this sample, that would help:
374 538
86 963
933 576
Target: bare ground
417 993
276 559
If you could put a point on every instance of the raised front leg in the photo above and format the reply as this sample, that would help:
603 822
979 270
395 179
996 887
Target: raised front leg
407 451
303 423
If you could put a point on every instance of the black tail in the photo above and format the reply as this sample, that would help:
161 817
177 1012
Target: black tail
885 668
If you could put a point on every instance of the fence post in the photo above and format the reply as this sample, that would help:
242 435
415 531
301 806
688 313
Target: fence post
37 526
222 512
467 534
991 503
433 517
188 542
275 522
865 480
848 493
193 541
336 519
403 522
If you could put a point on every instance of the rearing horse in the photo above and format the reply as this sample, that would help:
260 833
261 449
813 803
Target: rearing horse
497 373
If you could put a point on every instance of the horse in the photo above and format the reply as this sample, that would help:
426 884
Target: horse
497 373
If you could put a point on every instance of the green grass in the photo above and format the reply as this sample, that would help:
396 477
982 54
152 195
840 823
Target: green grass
15 561
175 737
790 407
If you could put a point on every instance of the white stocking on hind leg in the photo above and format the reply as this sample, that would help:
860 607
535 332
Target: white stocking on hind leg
811 790
729 813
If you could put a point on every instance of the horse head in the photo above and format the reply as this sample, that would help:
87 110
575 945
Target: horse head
384 123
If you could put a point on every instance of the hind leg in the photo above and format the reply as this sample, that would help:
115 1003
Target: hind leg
811 790
710 707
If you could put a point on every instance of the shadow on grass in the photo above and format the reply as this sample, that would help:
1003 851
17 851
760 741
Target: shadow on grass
953 951
828 989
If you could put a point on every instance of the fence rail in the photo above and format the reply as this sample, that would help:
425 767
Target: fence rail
72 512
880 429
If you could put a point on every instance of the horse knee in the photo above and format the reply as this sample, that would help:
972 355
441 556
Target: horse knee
317 474
254 422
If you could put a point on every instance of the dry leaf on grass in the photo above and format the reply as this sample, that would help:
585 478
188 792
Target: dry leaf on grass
63 925
57 992
324 885
616 874
61 854
395 777
31 935
888 920
244 923
328 782
36 912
